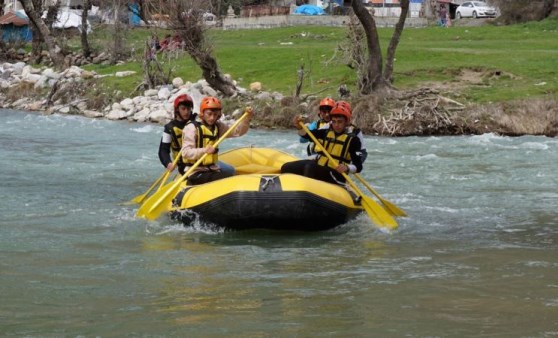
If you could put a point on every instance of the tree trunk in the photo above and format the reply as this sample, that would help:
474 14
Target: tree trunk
394 42
212 74
118 50
52 14
192 33
36 45
142 11
548 7
86 49
372 78
54 50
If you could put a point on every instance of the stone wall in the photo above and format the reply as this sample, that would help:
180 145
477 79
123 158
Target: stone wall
301 20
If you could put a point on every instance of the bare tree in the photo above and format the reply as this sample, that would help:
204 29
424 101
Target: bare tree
375 78
45 35
187 20
52 14
118 49
85 47
36 42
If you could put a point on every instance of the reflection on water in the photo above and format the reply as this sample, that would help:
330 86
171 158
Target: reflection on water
475 257
274 276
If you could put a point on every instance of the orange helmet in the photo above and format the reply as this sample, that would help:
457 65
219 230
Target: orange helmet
345 103
327 102
184 98
210 102
342 110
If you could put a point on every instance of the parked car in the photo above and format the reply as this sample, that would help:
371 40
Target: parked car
475 9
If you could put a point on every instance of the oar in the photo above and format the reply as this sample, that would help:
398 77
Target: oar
162 179
390 207
376 213
159 201
140 198
168 171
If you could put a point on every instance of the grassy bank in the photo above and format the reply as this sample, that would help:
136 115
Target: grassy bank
474 64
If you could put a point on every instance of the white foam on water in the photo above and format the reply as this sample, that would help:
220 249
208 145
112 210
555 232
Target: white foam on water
534 146
444 209
145 129
388 141
484 139
426 157
459 178
540 264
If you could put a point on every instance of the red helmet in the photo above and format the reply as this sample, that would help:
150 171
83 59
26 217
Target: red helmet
184 98
342 109
327 102
345 104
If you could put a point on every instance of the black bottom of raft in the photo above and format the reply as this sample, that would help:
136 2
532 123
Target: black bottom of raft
297 210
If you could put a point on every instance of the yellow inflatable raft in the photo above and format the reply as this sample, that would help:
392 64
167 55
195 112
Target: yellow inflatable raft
260 197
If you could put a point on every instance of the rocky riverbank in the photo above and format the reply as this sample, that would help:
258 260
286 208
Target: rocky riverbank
153 105
422 112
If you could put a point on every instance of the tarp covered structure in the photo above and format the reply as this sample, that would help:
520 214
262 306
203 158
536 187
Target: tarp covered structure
68 19
15 27
309 10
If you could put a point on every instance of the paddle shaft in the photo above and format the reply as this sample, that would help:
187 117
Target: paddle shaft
140 198
162 179
167 173
153 209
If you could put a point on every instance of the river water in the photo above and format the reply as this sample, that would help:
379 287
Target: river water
477 256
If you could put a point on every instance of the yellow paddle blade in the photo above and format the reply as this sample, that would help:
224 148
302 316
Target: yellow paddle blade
140 198
162 179
378 214
160 201
392 208
389 206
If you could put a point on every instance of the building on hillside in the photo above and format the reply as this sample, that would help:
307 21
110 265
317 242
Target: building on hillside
392 8
15 5
15 23
15 27
263 10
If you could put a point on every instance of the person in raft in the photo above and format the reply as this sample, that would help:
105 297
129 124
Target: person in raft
325 107
171 142
198 139
326 104
355 131
337 142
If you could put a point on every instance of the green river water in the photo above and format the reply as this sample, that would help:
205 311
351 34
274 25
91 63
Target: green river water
477 256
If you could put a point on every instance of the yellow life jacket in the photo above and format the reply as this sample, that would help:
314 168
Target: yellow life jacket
337 146
205 137
311 148
176 139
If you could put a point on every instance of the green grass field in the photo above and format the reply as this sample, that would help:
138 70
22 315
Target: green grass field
525 57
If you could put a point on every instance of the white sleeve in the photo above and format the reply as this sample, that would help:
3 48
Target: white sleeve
166 138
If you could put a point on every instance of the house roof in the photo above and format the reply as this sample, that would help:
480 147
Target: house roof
15 18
